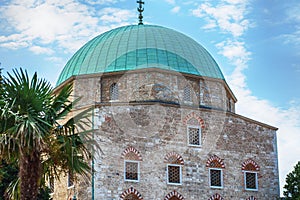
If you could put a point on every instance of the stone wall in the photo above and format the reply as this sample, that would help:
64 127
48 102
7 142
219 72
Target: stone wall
168 87
157 128
228 136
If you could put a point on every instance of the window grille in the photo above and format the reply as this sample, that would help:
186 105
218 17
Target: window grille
250 180
131 197
131 171
174 198
174 174
194 136
114 92
216 178
187 94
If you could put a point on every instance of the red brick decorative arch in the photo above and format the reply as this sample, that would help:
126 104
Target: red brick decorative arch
174 158
130 191
216 197
251 198
215 161
132 153
173 194
193 115
250 165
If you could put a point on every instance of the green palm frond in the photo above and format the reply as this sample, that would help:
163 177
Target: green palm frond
34 119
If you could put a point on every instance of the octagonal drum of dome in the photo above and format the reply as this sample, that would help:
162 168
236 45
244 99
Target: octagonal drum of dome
138 47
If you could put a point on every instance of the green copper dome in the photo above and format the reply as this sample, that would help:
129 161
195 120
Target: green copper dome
141 46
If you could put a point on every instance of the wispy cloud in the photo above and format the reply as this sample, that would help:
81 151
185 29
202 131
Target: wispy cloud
41 50
172 2
102 2
116 16
67 23
292 35
176 9
230 18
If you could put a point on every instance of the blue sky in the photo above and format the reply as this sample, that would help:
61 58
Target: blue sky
256 44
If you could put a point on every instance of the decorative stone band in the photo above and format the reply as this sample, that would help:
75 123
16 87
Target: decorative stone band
193 115
215 161
174 194
174 158
251 198
250 165
133 153
131 190
216 197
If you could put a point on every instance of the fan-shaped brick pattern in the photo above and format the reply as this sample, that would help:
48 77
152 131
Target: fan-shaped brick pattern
250 165
216 197
174 158
131 194
132 153
174 195
215 162
193 115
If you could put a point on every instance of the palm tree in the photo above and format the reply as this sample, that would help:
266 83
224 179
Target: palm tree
40 131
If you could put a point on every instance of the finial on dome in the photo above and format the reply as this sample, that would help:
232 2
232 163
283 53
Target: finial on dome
140 9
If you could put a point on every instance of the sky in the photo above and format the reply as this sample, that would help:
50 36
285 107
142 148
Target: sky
256 44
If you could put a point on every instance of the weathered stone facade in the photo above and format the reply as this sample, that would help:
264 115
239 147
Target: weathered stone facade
150 119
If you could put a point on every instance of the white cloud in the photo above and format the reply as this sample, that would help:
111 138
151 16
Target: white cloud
14 45
292 38
292 20
172 2
293 12
67 23
41 50
101 2
287 120
116 15
235 51
229 16
176 9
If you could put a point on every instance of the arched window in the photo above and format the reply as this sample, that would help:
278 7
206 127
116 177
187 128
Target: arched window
174 198
131 197
193 132
187 93
216 166
132 160
114 91
250 170
131 194
174 168
216 197
174 195
194 126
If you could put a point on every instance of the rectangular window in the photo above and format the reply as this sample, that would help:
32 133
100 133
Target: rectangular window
187 96
70 179
174 174
251 180
131 172
194 136
216 178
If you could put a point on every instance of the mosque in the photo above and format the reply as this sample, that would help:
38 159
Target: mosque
165 121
